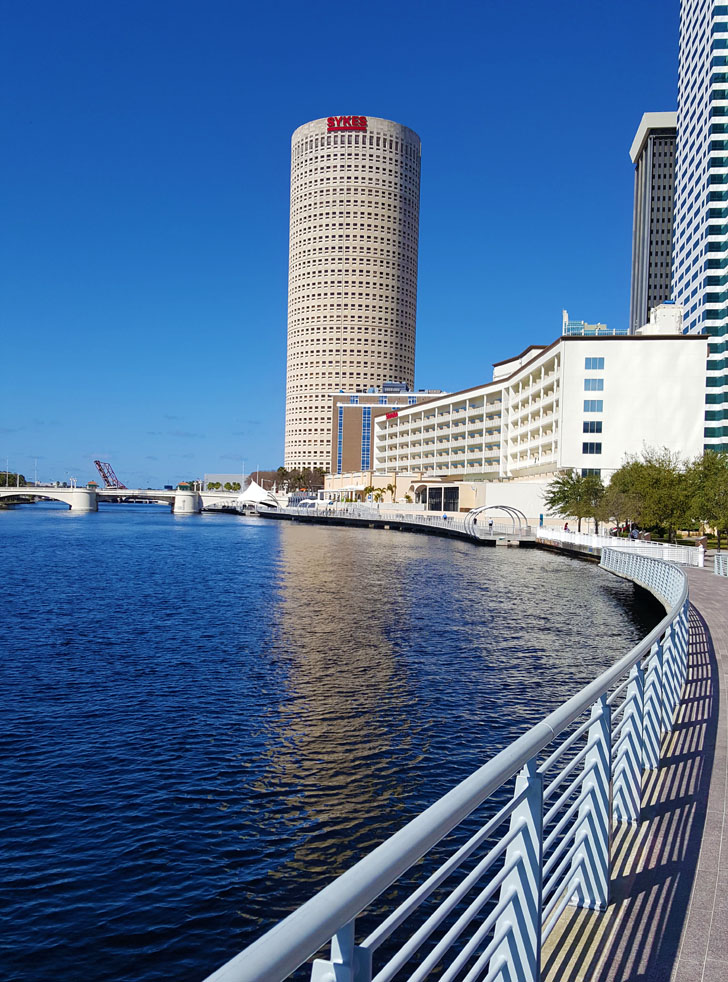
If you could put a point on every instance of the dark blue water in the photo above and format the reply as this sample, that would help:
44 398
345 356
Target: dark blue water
207 718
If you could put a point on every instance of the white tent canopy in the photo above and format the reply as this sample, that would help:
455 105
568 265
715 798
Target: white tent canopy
254 494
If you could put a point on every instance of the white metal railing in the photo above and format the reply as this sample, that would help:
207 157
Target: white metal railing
369 513
483 529
720 565
684 555
484 905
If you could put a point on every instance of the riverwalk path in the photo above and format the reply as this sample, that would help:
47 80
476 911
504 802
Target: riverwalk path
668 920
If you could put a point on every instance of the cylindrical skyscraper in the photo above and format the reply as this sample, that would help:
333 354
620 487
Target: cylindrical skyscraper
352 278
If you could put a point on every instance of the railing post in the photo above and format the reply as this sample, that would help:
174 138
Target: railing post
652 728
627 780
670 677
348 963
684 642
591 865
519 954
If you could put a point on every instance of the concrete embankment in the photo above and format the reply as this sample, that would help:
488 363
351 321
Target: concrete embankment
592 553
403 524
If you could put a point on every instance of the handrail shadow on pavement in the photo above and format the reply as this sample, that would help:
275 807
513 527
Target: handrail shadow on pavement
655 861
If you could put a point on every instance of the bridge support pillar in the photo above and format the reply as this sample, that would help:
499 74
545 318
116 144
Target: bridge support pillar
186 503
82 499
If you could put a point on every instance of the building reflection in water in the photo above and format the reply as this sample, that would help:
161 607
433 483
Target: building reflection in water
348 738
407 662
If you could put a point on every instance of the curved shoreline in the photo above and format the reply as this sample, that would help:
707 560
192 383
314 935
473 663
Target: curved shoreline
643 689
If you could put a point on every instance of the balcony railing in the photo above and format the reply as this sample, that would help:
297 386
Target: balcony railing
484 903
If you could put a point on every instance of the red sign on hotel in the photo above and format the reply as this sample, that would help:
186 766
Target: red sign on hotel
347 124
391 415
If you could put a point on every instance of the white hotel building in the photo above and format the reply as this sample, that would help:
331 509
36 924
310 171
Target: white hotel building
581 402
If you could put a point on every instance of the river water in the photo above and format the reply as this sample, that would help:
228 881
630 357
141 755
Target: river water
206 718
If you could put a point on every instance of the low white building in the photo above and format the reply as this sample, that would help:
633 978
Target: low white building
581 402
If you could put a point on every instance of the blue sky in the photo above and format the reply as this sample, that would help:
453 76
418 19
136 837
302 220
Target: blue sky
144 215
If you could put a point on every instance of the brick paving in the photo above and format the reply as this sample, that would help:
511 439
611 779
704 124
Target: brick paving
668 919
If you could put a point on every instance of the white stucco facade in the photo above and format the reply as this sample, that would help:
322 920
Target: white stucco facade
580 403
352 287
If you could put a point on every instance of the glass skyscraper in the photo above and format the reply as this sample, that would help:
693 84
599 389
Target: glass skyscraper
700 245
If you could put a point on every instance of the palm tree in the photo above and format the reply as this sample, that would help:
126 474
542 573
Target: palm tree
391 488
378 494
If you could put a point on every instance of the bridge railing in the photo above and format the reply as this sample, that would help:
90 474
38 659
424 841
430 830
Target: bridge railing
685 555
473 885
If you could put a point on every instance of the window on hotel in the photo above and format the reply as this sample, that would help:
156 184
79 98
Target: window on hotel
594 364
593 384
592 426
591 448
593 406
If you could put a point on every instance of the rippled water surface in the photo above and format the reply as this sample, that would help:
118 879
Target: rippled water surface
206 718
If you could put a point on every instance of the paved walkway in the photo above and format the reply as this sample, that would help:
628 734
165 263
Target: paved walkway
668 921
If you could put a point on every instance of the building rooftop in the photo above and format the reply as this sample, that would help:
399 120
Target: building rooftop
648 123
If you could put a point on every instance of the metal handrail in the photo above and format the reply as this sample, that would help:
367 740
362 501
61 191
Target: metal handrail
609 791
720 565
464 526
685 555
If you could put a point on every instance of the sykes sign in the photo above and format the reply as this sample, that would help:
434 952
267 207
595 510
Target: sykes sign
338 124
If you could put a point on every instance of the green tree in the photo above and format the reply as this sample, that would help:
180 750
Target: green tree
228 486
391 488
235 486
657 488
10 480
317 478
378 494
708 481
618 505
574 495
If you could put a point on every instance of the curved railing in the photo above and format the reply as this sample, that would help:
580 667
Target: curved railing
479 905
685 555
465 526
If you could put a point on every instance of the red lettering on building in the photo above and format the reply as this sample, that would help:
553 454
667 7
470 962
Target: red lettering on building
391 415
346 124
